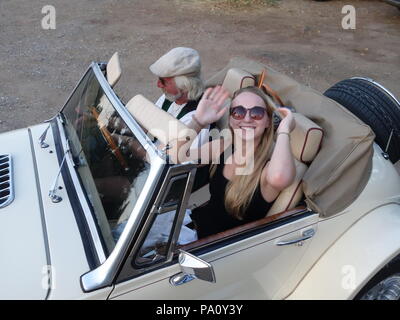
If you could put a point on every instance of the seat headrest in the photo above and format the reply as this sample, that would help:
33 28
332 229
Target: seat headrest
113 70
236 79
156 121
305 139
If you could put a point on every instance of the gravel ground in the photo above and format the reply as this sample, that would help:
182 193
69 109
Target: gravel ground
301 38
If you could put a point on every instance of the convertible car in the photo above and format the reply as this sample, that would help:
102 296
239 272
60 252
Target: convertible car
92 208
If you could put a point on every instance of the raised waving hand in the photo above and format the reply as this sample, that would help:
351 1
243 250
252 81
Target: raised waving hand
211 107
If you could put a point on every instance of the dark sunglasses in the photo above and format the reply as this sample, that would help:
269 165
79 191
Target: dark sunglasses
239 112
163 80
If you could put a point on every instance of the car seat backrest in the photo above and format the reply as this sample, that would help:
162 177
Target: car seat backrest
113 73
113 70
305 139
235 79
305 142
156 121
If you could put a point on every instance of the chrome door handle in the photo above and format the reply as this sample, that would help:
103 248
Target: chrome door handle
306 235
180 279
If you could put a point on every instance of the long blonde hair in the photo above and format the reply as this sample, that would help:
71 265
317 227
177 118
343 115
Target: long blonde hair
240 190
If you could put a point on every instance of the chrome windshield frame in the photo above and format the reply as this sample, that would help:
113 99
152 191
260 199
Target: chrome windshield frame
122 111
107 271
144 140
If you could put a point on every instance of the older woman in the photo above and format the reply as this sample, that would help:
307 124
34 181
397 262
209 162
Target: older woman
242 191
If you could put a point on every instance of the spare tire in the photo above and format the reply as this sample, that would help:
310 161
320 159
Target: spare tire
375 106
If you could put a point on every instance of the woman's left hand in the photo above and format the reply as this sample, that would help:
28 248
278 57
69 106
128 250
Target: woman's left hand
287 123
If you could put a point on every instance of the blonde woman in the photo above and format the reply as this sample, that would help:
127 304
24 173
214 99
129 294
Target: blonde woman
240 198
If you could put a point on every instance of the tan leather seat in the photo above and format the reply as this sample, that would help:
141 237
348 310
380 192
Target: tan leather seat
113 75
235 79
159 123
305 142
113 70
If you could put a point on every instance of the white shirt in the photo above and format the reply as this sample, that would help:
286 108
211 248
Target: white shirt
174 109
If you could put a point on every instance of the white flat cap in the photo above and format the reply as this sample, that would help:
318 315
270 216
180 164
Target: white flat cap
177 62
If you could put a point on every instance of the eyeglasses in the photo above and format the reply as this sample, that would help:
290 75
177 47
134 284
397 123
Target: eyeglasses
162 80
239 112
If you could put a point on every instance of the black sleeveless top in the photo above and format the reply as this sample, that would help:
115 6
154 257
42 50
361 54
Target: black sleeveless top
213 217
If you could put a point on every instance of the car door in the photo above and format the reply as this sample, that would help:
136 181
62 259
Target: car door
253 264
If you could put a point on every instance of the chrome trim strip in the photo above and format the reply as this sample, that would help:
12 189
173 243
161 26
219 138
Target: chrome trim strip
380 86
82 199
7 161
42 214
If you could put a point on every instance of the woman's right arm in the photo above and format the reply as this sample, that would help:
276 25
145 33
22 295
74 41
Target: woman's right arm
209 110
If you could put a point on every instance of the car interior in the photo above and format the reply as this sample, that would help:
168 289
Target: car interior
306 140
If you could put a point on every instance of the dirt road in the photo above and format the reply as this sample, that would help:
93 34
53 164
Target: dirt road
302 38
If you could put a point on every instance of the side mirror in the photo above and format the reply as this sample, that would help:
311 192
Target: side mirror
113 70
193 268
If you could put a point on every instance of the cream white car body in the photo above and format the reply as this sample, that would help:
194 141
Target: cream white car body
54 250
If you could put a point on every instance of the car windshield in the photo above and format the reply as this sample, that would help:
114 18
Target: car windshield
110 162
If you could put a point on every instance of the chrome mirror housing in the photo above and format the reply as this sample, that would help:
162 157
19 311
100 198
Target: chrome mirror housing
193 268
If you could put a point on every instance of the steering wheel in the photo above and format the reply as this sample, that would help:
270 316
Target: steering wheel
110 141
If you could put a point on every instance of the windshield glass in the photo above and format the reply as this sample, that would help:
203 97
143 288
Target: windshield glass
110 161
